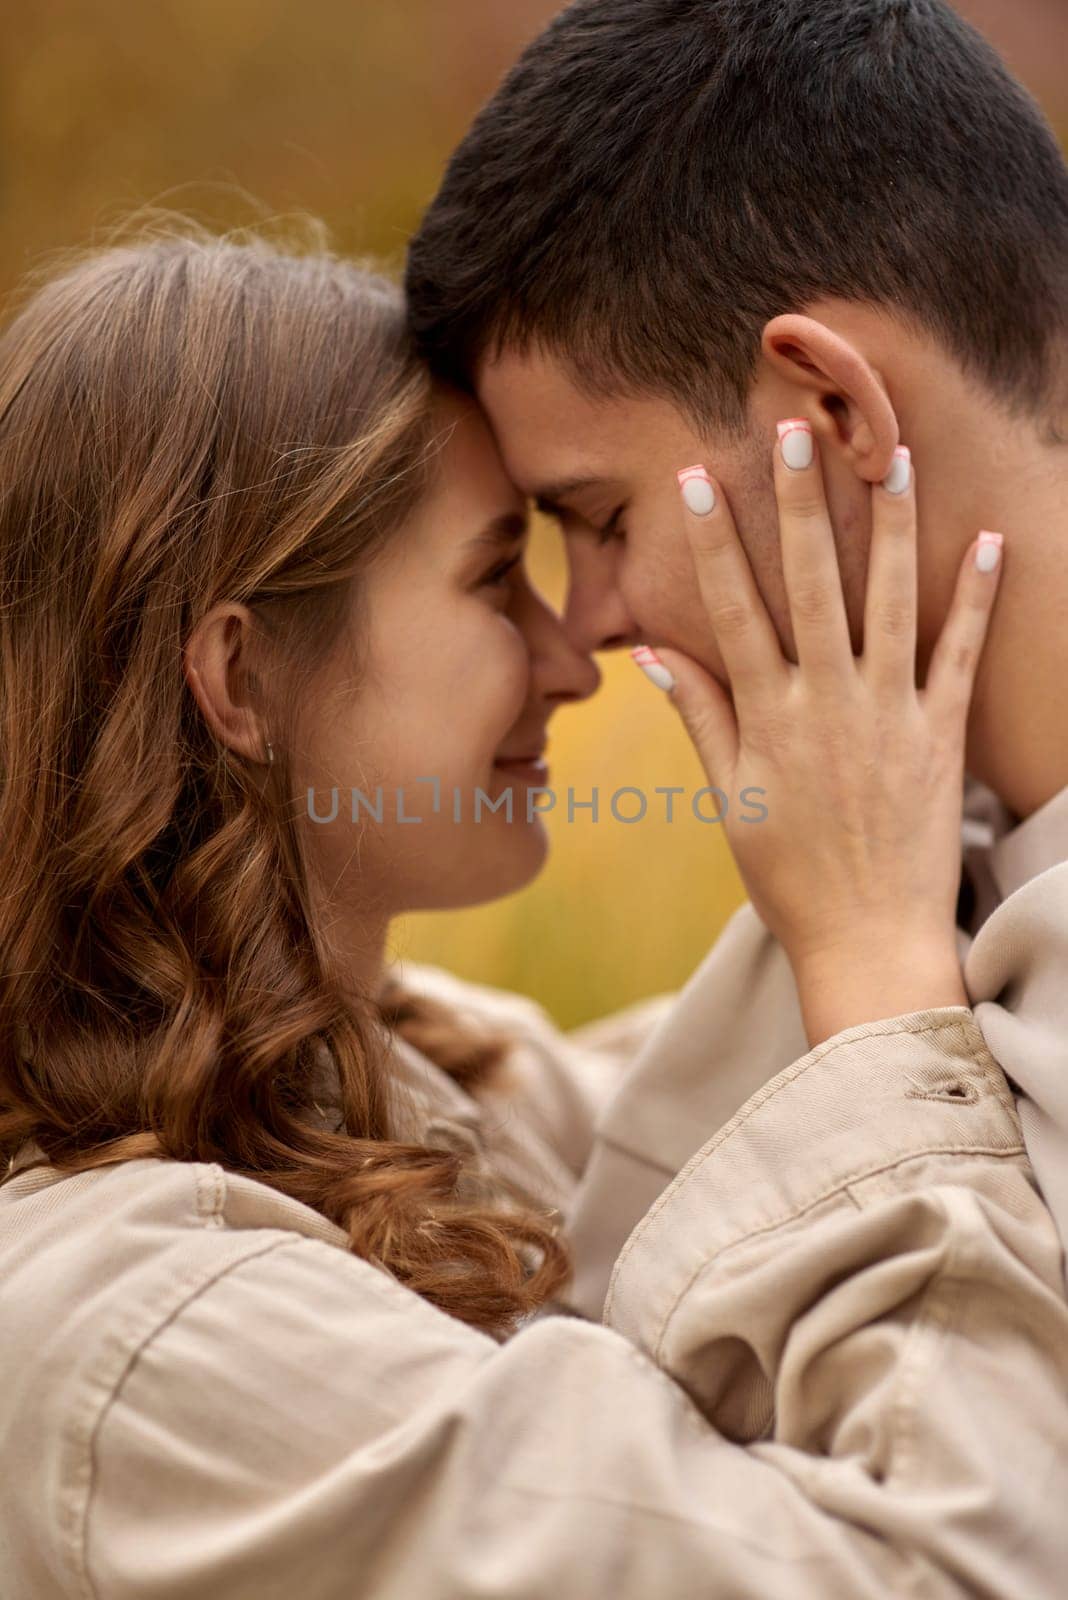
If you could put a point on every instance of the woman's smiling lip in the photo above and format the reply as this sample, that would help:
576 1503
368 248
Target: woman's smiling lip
533 752
532 767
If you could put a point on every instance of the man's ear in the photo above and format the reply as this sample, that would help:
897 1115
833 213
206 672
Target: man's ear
837 389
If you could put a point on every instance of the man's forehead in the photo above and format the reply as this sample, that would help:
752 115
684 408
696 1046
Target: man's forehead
548 434
540 388
555 438
535 380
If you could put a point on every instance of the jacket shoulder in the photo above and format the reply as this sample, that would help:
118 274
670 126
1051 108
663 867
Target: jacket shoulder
619 1033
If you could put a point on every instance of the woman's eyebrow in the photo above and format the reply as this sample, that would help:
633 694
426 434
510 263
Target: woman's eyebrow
505 529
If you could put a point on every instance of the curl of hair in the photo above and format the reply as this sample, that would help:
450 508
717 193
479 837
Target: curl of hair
186 419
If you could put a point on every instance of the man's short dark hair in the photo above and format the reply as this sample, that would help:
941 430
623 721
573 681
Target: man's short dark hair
655 179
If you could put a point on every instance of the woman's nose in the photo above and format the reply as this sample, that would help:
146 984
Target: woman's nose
568 673
561 669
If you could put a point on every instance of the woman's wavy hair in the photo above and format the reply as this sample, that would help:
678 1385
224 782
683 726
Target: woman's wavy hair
185 419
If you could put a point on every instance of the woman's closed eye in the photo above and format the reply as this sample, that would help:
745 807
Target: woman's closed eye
498 574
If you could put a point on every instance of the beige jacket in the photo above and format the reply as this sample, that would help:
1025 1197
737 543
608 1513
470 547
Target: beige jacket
817 1346
1014 954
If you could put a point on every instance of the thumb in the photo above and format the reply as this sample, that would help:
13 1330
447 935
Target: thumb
706 708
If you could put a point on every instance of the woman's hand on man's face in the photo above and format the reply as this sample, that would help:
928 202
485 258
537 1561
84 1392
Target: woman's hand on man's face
860 772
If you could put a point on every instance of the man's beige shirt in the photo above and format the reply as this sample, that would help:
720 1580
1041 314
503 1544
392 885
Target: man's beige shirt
816 1347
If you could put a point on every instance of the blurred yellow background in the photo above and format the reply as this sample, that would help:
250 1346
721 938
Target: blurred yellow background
238 108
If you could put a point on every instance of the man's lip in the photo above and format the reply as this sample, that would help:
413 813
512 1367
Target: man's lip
511 761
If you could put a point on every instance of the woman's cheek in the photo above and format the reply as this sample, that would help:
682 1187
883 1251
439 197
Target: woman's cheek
490 639
515 660
492 665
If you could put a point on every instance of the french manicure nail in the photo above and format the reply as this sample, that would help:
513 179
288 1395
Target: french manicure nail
796 443
988 553
898 478
697 490
653 667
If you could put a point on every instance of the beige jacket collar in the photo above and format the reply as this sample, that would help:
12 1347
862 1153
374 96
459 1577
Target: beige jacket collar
1016 969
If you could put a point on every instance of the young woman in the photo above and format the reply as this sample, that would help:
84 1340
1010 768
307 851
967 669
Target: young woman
280 1240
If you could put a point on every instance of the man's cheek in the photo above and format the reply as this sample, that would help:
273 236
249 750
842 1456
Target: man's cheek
667 607
700 643
645 596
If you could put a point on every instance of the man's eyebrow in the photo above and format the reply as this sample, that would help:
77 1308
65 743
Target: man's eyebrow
549 497
505 529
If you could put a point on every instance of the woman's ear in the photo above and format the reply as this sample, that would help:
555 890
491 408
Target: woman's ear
837 389
216 668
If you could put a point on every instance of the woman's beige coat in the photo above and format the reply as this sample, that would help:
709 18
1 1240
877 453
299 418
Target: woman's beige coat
817 1348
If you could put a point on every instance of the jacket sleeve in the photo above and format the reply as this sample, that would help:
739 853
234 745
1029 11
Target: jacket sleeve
833 1366
735 1025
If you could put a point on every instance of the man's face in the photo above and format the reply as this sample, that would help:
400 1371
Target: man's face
590 461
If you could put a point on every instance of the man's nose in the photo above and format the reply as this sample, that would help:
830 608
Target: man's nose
596 616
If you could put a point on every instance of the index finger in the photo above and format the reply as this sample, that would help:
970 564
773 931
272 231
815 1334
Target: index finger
744 633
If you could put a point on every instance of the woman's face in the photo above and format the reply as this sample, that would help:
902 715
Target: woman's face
464 664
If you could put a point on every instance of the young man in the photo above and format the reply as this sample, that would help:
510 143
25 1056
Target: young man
677 223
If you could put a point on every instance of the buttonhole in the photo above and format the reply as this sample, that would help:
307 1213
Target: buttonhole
962 1093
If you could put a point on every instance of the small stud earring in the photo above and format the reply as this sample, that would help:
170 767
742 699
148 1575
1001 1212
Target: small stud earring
270 753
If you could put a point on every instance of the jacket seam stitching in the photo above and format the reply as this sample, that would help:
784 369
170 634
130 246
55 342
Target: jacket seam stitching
210 1194
933 1319
78 1540
838 1187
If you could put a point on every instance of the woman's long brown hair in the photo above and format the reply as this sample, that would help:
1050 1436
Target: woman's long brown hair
186 419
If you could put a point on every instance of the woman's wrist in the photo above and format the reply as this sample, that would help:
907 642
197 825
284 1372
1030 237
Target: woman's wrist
875 979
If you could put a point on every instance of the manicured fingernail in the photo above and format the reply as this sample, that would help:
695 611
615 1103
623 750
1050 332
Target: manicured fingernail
653 667
697 490
898 478
988 553
796 443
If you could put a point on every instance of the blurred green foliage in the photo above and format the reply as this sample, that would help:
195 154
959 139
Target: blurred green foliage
237 109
